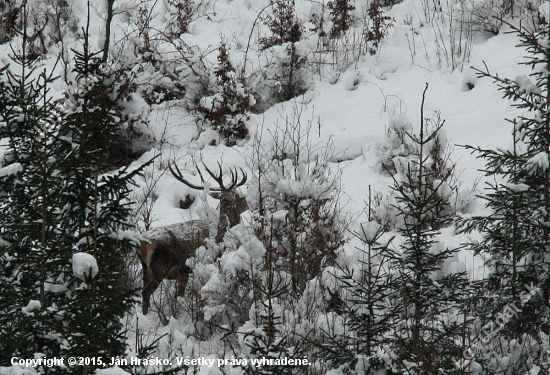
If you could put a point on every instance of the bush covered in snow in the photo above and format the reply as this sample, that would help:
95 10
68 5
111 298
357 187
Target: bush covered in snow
227 110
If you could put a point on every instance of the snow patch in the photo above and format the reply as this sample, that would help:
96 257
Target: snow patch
540 160
11 169
369 231
245 257
280 215
302 189
444 190
544 11
84 265
31 306
526 85
134 237
517 188
16 370
111 371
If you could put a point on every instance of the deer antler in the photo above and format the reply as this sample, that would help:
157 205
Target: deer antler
218 178
234 178
179 176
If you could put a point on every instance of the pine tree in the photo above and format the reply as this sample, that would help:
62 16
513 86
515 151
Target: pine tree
56 201
367 288
267 340
27 209
516 234
399 146
505 231
423 338
95 205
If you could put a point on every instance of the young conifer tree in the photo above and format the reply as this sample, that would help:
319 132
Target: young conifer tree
267 340
60 196
516 234
95 201
27 210
423 339
368 286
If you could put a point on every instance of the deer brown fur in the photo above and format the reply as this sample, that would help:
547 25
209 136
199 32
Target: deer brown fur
165 254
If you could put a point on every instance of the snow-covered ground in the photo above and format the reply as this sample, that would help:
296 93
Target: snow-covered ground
354 111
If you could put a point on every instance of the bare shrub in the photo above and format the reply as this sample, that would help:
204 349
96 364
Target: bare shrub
181 12
341 16
377 27
283 24
489 16
294 200
453 31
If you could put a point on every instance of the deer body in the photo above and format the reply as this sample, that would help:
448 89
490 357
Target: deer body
165 255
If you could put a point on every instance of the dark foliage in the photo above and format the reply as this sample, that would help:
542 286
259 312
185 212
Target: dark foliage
341 16
378 28
228 109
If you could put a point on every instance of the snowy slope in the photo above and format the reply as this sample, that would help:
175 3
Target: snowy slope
353 110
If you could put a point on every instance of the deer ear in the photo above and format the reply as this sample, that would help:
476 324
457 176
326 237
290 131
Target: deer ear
215 194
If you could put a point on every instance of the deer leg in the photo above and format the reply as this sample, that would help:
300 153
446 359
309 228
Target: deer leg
150 283
183 278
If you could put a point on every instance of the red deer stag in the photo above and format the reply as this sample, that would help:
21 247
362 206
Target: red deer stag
169 247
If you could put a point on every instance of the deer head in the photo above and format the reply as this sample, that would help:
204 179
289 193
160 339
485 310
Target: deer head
231 203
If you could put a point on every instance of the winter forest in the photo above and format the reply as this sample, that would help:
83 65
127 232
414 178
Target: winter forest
265 187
